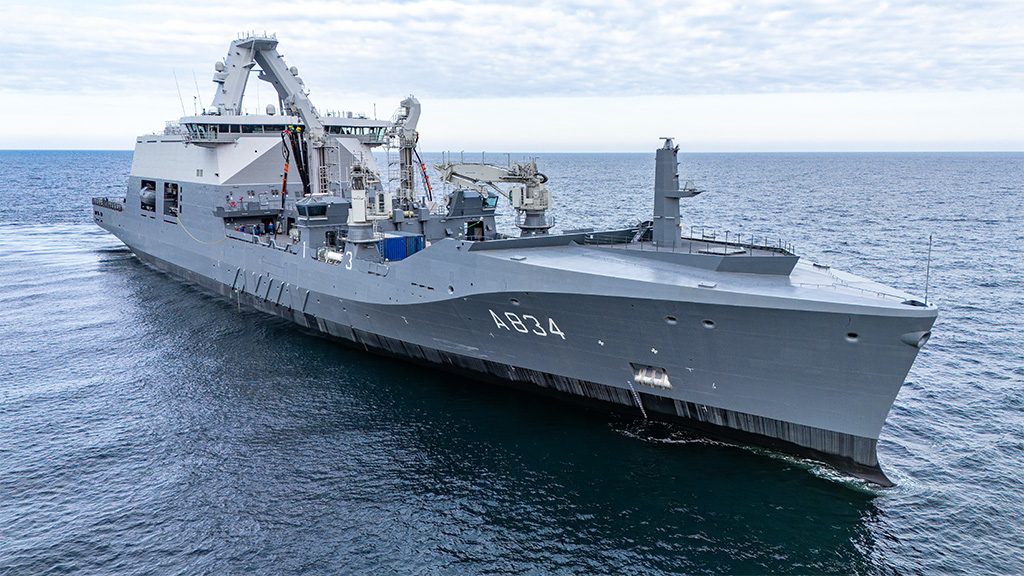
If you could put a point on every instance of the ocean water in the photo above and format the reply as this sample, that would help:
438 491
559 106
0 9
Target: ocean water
148 428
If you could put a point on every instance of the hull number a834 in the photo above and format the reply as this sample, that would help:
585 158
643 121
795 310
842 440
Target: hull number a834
526 324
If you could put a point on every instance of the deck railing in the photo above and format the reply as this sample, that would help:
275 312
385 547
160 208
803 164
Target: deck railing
701 240
739 240
109 204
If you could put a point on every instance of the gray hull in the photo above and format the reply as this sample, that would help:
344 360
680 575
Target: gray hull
758 376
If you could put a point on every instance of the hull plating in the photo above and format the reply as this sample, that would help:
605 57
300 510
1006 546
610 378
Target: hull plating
725 385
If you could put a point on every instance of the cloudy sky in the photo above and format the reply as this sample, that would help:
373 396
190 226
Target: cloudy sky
538 76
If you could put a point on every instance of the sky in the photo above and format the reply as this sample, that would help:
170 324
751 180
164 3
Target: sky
540 76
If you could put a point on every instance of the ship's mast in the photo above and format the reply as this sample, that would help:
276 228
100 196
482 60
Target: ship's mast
667 193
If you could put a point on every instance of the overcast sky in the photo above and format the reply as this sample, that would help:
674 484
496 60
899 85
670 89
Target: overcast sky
539 76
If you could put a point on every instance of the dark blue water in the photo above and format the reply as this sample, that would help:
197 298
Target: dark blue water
147 428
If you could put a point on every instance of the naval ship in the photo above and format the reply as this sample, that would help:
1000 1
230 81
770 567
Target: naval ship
288 212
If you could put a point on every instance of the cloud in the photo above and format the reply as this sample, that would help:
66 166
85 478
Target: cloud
601 54
488 49
862 121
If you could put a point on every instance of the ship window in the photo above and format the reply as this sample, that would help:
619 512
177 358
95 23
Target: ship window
147 195
171 198
314 210
236 129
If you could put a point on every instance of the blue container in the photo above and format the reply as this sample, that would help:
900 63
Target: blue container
398 245
393 248
414 244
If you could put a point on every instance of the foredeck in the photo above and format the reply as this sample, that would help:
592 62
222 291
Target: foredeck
710 267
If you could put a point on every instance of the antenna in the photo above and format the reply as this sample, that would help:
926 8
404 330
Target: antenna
180 99
928 270
198 95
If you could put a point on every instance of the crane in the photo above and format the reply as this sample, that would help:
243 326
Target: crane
527 193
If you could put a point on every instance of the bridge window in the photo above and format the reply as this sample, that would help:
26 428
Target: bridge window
312 210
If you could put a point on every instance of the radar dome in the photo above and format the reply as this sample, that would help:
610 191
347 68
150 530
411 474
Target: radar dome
271 110
219 66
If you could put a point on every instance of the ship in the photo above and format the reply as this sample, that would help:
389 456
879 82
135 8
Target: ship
289 211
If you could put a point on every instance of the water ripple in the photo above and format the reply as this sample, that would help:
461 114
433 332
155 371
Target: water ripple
148 428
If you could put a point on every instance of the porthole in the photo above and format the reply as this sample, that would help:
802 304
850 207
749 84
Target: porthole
514 301
451 289
671 320
709 324
852 337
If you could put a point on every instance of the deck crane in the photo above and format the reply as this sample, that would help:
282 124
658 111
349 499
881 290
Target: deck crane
528 195
312 147
403 134
233 74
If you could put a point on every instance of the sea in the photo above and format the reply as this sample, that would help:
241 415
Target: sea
147 427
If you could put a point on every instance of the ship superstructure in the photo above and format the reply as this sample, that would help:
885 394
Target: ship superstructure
288 212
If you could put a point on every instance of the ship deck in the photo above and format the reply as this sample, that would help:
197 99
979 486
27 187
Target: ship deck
697 264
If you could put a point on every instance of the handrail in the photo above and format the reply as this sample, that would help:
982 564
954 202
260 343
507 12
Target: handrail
846 284
842 284
111 204
708 234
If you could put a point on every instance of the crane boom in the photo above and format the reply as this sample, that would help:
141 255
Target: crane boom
528 195
233 74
